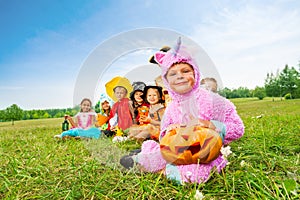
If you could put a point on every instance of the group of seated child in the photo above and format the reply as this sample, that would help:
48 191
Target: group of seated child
137 111
138 116
185 126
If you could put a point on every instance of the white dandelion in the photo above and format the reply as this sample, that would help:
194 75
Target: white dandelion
198 195
226 151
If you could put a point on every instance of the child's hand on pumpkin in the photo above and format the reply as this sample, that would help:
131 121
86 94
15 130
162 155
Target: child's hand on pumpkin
202 123
195 122
172 126
144 119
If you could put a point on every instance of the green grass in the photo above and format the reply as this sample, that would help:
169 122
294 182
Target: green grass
264 163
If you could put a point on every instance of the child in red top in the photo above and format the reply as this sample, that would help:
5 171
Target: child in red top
121 114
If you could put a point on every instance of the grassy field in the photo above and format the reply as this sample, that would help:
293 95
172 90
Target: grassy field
264 163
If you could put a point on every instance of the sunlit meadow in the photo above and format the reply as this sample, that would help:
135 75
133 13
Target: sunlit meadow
264 164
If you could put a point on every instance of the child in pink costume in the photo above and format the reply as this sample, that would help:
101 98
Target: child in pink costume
189 103
84 123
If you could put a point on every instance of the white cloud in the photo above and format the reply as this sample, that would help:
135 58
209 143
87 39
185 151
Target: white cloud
245 40
248 43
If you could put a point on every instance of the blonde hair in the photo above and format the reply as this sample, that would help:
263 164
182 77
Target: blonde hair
119 86
207 83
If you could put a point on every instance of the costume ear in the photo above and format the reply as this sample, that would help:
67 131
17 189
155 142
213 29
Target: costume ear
159 57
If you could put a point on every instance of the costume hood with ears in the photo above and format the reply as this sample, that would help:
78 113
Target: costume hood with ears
163 49
178 54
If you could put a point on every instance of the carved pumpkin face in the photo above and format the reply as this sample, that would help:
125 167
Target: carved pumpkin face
190 145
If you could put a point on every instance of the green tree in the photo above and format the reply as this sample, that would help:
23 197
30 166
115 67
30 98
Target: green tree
26 115
58 115
226 92
284 82
297 91
13 113
259 92
35 115
243 92
46 115
272 85
74 112
288 79
2 115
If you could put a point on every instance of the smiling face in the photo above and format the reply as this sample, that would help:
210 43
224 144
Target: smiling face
105 105
138 97
181 78
152 96
85 106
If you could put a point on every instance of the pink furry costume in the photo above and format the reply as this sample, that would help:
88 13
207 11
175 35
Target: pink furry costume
199 103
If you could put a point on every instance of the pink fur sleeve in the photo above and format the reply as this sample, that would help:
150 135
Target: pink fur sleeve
166 121
234 124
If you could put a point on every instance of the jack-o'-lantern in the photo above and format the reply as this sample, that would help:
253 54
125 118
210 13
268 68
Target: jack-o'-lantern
190 145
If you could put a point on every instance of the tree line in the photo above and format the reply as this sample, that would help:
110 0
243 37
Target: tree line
14 112
285 83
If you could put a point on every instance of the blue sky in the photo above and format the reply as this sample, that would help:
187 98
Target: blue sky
43 44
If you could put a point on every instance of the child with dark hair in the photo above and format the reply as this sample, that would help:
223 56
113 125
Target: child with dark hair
151 119
137 100
84 123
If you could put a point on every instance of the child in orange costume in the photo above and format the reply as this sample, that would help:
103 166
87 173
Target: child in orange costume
137 100
150 123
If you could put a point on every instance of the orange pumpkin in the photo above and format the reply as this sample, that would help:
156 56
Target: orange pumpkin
190 145
101 119
143 111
